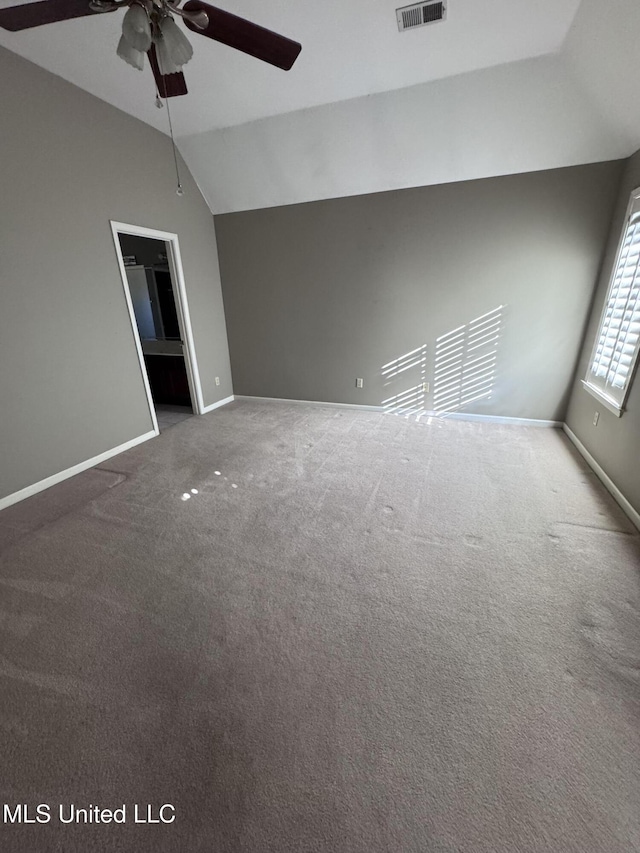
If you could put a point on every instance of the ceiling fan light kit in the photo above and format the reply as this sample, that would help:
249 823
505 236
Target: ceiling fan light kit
146 23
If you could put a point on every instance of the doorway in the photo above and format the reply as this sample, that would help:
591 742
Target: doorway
153 282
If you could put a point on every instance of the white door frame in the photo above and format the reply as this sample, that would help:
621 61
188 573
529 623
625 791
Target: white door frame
182 308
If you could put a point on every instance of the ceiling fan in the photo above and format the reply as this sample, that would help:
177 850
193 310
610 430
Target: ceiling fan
149 27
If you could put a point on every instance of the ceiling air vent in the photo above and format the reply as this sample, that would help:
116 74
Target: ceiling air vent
421 14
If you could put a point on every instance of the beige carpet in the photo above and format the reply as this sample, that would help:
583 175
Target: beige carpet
363 634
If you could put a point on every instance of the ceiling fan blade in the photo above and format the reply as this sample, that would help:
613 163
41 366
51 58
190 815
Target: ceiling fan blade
24 17
245 36
169 85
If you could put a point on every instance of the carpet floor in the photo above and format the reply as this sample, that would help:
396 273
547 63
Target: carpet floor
359 633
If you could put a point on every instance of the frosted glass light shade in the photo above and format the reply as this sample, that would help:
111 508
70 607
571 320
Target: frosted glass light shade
176 43
130 54
136 28
165 63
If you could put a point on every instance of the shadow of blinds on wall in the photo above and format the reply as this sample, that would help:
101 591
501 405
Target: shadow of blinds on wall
465 363
616 346
406 375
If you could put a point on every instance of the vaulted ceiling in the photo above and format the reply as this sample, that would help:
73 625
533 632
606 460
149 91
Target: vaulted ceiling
501 86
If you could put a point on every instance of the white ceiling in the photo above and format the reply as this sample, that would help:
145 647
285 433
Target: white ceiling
350 49
500 87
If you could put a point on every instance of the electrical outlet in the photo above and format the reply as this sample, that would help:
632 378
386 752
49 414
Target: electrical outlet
425 386
359 383
596 418
217 380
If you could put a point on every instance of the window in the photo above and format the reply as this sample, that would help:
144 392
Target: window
616 347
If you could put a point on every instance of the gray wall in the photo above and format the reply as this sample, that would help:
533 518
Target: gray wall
614 442
319 294
70 381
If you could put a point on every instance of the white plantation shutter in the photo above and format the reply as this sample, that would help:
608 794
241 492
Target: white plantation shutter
617 342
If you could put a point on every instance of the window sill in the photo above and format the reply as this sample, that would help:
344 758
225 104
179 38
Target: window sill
606 402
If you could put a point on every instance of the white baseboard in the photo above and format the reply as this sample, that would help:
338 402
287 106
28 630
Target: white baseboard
460 416
604 477
311 403
500 419
217 405
28 491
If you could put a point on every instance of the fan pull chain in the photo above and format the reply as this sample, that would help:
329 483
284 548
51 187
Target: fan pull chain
179 190
159 105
